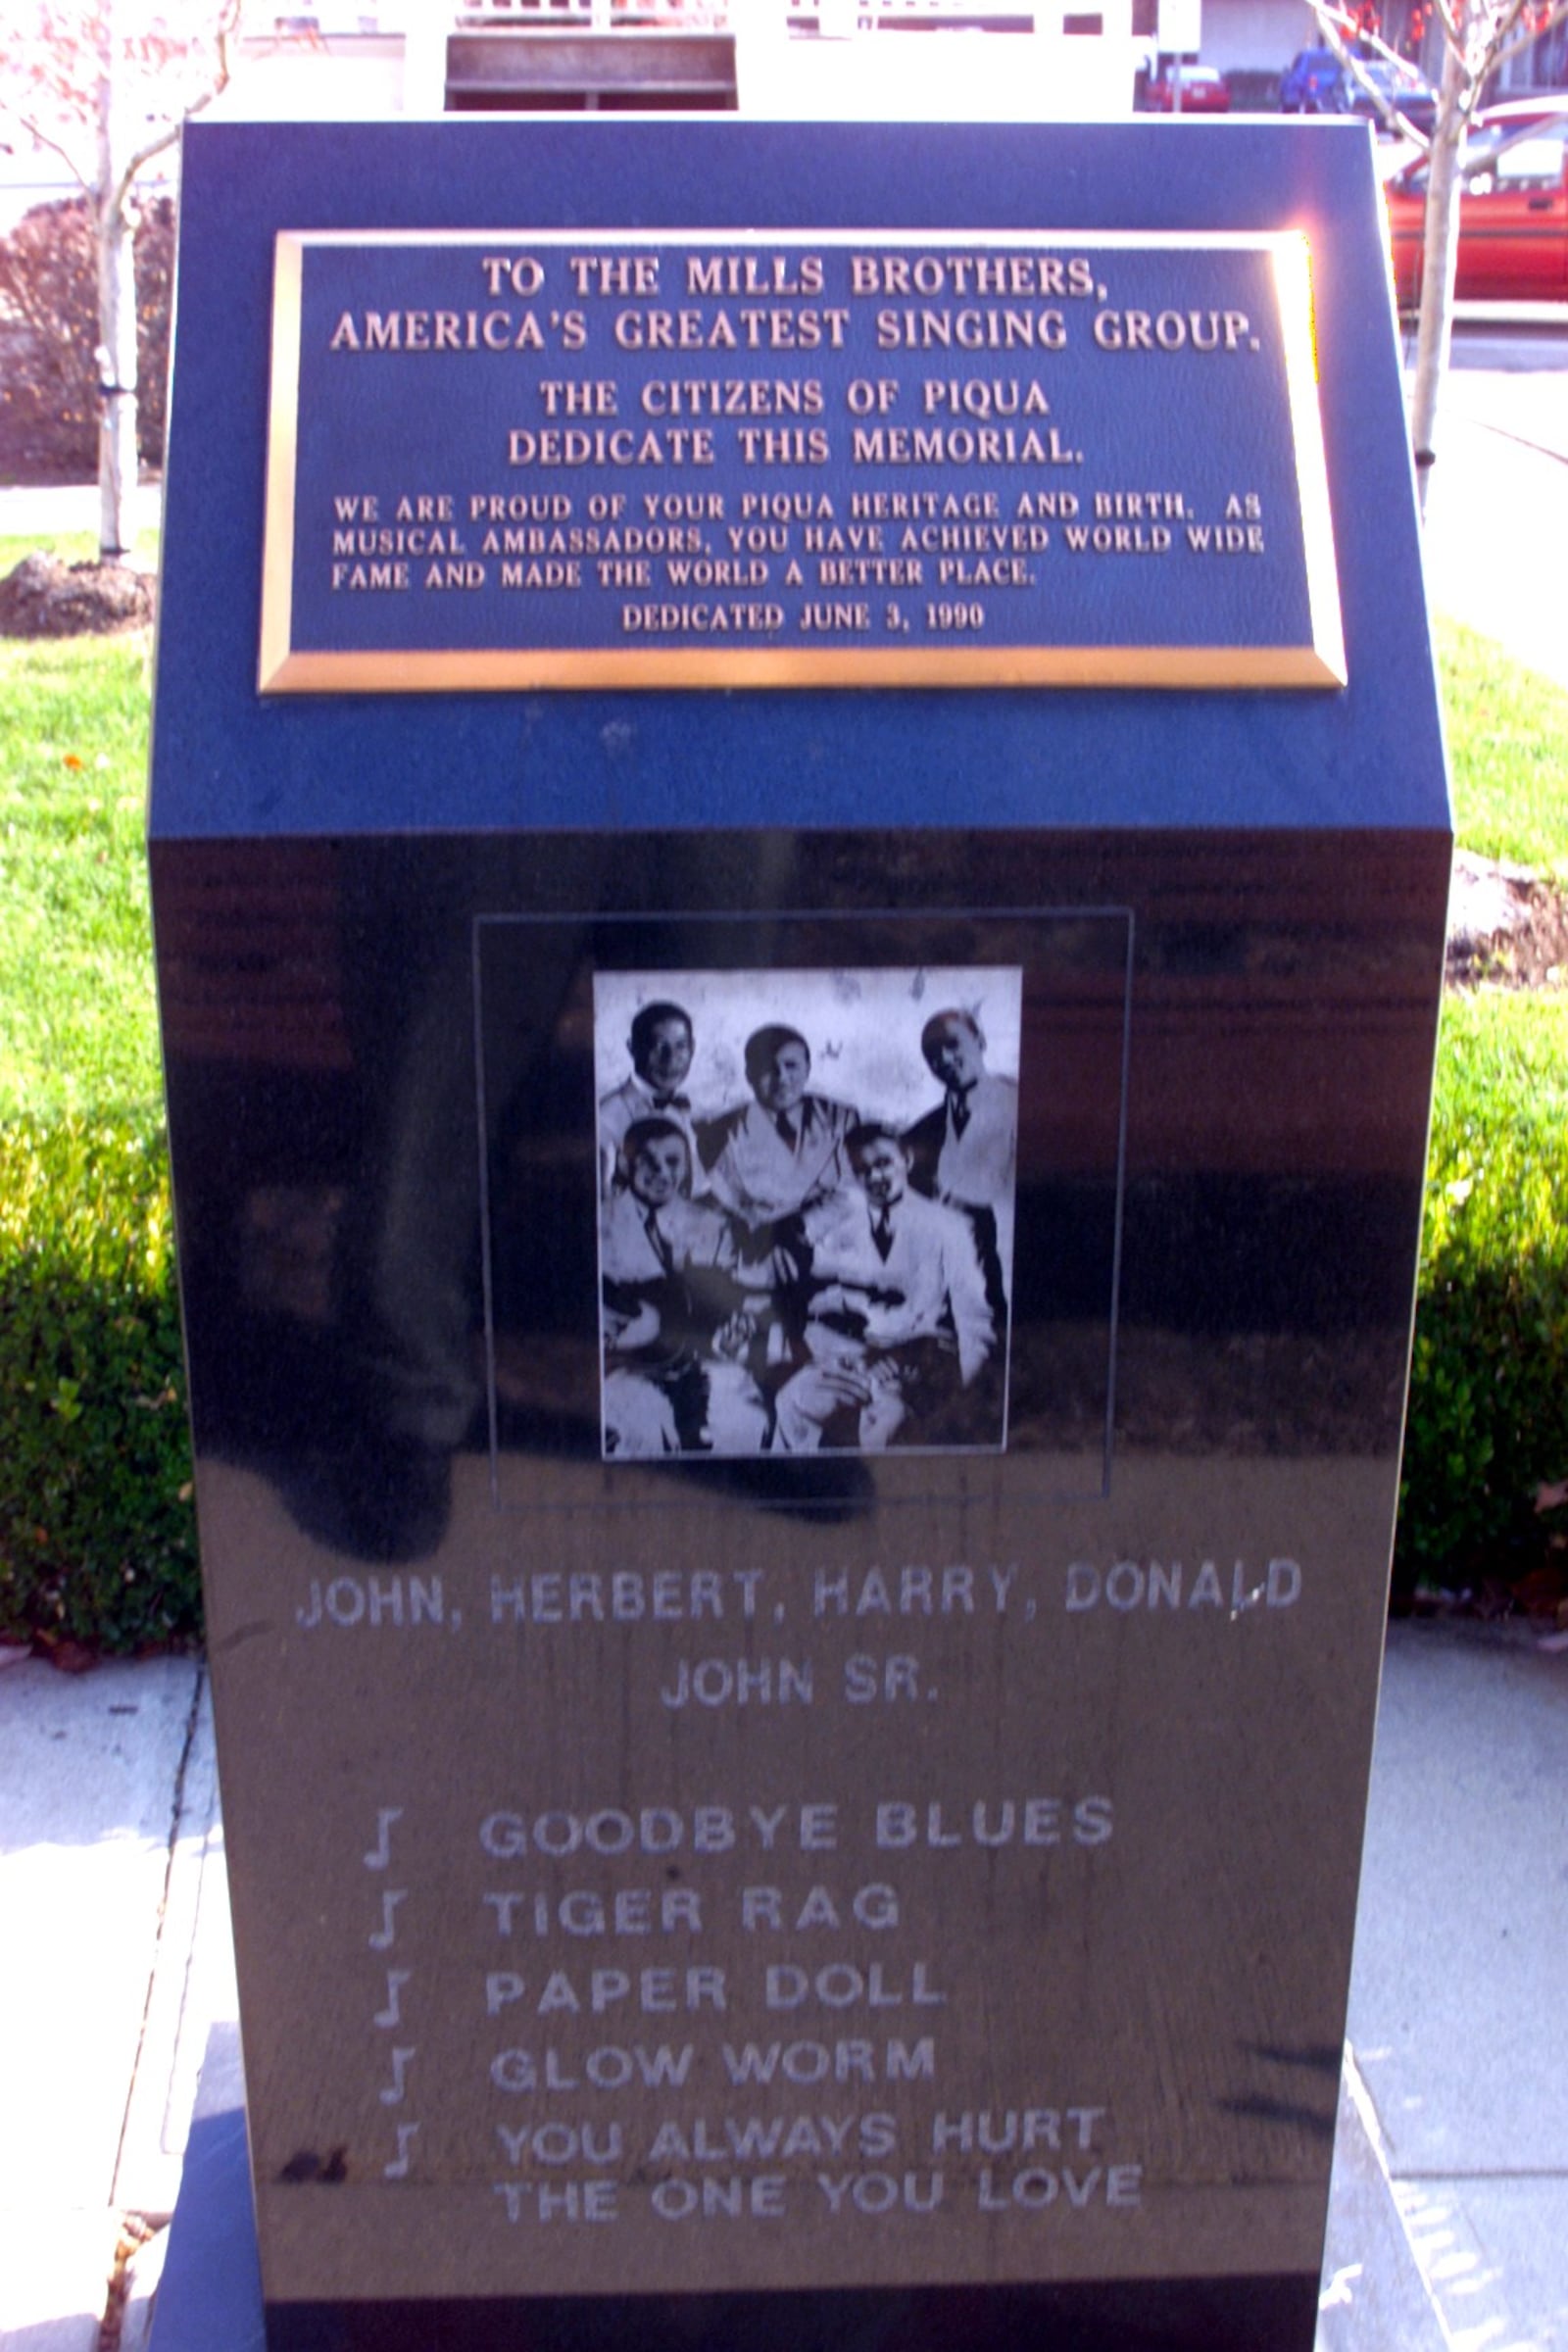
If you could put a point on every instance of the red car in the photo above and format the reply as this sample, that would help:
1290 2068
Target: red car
1513 217
1531 106
1205 91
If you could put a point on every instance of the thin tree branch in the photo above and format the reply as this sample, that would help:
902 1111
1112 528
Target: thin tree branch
1339 21
1495 27
227 27
43 138
143 156
222 32
1450 22
1515 48
1334 22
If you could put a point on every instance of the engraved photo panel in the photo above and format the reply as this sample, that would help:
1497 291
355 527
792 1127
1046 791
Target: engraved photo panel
828 1189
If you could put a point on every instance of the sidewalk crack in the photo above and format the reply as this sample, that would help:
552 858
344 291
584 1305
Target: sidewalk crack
177 1815
1540 449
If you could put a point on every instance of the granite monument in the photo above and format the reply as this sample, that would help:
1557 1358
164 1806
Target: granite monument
798 851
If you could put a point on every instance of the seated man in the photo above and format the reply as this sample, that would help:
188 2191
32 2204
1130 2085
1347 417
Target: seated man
767 1158
896 1325
676 1328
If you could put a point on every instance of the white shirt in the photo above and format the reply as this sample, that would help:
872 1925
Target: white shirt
694 1235
979 1167
760 1176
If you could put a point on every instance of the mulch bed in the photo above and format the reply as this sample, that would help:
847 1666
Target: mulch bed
45 598
1507 927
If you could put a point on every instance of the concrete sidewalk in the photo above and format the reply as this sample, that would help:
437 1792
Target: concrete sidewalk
1448 2223
45 509
115 1957
1456 2039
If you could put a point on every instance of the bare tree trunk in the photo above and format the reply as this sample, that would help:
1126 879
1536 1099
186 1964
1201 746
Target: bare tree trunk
116 315
1439 260
116 361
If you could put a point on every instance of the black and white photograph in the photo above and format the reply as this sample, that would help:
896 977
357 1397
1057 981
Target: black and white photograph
807 1201
763 1199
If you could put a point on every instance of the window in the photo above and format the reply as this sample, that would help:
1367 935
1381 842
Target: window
1530 163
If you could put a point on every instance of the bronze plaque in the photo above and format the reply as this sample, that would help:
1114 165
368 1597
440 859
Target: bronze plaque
832 458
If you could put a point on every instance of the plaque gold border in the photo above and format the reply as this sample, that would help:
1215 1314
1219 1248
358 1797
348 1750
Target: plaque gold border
282 470
1320 662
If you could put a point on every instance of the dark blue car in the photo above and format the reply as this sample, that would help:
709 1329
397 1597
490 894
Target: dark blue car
1318 82
1313 84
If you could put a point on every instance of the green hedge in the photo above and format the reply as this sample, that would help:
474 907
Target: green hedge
1489 1401
97 1534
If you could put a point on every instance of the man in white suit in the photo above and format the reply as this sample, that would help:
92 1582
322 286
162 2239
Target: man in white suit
677 1324
897 1325
771 1158
966 1152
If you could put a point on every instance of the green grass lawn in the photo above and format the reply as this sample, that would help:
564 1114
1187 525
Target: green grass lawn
1487 1425
1508 749
77 1028
1504 1051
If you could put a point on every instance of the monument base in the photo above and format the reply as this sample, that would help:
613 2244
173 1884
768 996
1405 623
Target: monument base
1159 2315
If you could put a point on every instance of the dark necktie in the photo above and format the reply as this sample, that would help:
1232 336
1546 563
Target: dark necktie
662 1248
672 1102
882 1233
959 1112
786 1130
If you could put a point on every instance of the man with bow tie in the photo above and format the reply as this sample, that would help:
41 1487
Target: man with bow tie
897 1329
966 1152
660 1045
677 1327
